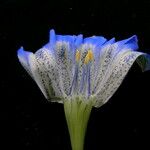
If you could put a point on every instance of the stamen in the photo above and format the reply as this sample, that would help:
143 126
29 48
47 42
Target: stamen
73 89
84 85
89 57
89 81
78 55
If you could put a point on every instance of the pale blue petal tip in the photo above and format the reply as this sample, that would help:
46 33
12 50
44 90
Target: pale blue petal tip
131 43
65 38
20 51
111 41
132 40
78 40
95 40
52 37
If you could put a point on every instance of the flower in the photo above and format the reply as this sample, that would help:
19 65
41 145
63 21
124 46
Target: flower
81 73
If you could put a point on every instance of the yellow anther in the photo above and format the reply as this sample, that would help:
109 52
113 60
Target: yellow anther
89 57
78 55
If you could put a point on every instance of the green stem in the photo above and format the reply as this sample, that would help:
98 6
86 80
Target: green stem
77 112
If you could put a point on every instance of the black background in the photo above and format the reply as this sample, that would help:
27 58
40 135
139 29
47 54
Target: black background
123 123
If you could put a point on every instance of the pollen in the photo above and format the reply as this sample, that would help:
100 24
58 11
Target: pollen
78 55
89 57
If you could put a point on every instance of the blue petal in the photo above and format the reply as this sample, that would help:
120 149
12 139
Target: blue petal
78 40
65 38
111 41
52 38
95 40
75 41
23 54
130 43
24 57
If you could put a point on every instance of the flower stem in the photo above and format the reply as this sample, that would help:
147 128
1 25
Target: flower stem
77 112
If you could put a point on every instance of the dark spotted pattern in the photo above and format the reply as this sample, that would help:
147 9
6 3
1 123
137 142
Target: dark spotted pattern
60 76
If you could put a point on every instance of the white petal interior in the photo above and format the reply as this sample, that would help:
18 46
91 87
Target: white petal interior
114 75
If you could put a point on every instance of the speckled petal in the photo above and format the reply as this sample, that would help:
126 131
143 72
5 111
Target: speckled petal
107 54
36 72
115 75
69 66
49 73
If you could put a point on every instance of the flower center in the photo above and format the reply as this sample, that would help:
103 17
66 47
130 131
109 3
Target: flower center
81 83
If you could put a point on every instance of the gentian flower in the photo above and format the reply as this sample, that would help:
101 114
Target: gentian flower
81 74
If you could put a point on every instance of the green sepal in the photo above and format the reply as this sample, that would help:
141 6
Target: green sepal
77 112
144 62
